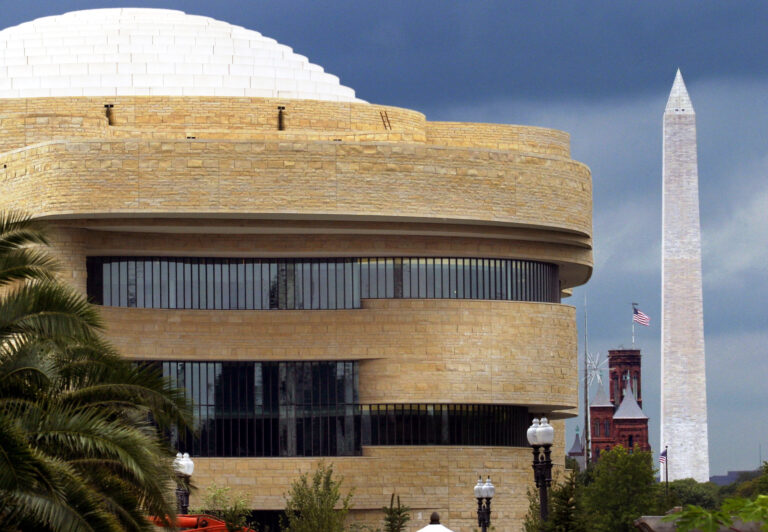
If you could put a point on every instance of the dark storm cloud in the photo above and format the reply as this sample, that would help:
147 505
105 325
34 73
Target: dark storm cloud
417 53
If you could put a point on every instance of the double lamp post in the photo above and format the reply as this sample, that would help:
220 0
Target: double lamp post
540 435
184 467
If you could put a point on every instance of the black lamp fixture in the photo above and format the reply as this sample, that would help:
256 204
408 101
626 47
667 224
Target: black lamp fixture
540 436
484 493
184 466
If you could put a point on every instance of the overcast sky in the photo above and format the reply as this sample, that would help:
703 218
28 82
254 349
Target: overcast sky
601 71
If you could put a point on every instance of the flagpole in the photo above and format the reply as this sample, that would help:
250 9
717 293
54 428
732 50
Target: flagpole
633 325
587 421
666 472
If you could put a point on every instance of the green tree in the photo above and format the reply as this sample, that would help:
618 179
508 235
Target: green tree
232 508
622 489
395 517
689 492
532 521
565 509
755 486
736 509
77 450
316 504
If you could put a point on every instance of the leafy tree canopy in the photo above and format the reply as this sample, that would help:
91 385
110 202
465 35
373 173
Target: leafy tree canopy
315 504
622 488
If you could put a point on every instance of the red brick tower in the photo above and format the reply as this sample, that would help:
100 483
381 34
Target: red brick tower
630 424
601 416
625 365
620 420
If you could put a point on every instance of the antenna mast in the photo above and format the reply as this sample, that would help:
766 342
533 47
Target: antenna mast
587 445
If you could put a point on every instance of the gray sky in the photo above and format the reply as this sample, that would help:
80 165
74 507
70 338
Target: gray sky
602 71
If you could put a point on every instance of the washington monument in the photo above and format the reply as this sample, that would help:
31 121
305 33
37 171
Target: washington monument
683 381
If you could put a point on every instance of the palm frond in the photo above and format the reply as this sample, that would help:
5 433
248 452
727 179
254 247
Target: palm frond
27 264
19 230
47 310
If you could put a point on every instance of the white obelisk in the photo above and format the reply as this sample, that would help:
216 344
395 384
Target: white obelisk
683 380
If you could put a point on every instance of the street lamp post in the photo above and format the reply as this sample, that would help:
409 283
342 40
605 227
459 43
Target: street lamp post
484 493
540 437
184 466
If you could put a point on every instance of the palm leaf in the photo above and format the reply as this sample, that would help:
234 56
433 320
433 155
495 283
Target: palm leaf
46 310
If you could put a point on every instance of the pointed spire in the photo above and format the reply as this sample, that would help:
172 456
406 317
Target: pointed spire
679 102
629 409
600 398
576 448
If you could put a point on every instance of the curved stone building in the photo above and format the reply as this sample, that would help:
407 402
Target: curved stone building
329 279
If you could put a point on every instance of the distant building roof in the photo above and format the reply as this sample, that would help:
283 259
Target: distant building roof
629 409
577 448
600 398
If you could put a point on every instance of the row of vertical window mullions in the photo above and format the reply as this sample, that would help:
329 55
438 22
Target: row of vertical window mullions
236 421
458 425
456 278
313 284
250 284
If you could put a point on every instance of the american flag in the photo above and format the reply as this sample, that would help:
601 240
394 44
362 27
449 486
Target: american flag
663 457
640 317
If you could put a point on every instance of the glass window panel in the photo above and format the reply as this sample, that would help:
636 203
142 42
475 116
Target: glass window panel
323 285
155 284
140 289
407 277
364 279
237 284
422 278
163 283
349 296
306 277
315 285
179 264
222 285
445 290
170 266
282 283
195 283
258 285
114 277
296 285
432 277
210 284
356 284
331 265
131 283
248 284
397 278
386 279
340 284
274 290
122 279
452 278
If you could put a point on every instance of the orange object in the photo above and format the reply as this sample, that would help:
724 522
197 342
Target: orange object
198 522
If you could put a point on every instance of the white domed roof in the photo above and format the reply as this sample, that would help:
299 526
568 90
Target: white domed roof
131 51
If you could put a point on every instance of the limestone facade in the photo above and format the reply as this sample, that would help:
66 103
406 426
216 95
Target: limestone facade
212 176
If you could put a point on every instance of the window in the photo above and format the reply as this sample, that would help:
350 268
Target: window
330 283
244 409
